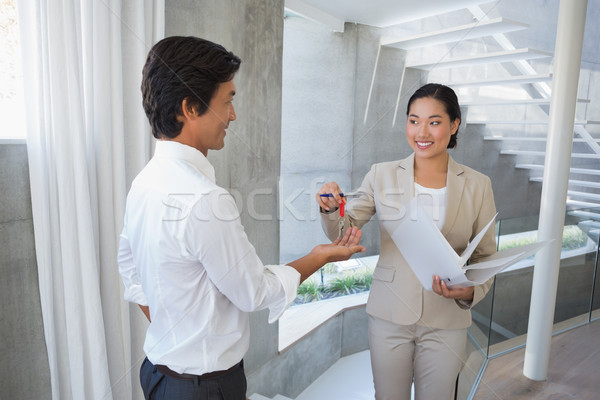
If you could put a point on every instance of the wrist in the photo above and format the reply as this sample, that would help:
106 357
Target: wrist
468 296
320 256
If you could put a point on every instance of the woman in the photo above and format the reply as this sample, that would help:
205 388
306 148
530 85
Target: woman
418 333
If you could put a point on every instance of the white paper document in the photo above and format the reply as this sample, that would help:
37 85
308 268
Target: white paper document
428 252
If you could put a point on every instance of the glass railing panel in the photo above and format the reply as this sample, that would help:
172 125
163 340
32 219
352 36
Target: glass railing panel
512 292
477 343
577 268
595 306
588 221
481 313
510 316
472 370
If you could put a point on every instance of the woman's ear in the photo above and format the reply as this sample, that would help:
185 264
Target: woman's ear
454 125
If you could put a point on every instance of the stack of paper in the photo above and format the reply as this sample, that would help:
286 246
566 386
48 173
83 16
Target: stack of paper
428 252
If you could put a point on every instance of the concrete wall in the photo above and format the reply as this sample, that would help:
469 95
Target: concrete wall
339 96
295 369
317 125
24 372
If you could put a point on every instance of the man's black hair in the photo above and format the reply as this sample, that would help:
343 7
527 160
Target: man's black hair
179 68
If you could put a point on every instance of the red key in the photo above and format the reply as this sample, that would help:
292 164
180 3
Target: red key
342 208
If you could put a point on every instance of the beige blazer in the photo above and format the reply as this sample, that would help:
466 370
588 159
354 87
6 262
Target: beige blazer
396 294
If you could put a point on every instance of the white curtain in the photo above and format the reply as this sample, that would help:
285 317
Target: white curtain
87 137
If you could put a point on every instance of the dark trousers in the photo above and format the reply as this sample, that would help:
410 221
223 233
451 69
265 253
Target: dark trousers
157 386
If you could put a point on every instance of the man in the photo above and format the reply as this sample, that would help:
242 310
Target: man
184 256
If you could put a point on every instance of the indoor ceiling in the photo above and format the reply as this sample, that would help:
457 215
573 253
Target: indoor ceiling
379 13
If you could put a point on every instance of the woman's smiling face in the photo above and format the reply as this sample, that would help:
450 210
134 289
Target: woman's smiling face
428 129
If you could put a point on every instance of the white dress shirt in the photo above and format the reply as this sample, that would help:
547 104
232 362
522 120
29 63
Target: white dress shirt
184 253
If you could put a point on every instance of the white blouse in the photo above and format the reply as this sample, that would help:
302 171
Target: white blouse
433 202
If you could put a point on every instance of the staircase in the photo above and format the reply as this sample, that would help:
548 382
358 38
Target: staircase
510 99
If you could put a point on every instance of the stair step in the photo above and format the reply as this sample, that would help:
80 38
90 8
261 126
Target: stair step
495 57
455 34
584 195
583 204
537 167
590 224
511 80
574 182
529 102
528 122
591 141
530 139
543 154
586 214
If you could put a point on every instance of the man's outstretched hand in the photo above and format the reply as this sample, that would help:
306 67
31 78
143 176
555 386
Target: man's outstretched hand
343 247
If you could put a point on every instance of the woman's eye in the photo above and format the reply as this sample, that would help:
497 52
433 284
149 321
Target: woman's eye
435 122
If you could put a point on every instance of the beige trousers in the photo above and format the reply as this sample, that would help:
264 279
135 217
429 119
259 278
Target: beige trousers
403 353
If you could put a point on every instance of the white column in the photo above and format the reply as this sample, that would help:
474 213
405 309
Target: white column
565 78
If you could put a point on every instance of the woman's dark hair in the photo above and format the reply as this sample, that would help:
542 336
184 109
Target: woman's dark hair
179 68
444 95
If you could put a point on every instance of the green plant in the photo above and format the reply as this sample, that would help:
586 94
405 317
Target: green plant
345 283
518 241
573 238
351 283
309 291
329 268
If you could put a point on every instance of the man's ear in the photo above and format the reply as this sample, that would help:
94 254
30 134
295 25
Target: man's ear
187 110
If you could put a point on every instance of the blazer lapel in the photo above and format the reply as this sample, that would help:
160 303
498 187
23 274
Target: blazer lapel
455 182
406 177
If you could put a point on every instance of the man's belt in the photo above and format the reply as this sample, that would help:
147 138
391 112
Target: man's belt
209 375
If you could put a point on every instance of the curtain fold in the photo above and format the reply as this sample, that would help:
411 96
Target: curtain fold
87 138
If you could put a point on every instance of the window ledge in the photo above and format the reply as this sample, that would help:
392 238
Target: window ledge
12 141
300 321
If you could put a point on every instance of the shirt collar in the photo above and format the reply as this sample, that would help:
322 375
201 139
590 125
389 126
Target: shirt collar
173 149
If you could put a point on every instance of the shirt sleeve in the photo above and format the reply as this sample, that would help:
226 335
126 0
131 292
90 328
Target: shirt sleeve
128 271
215 236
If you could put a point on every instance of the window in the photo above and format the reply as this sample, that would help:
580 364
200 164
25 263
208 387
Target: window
12 113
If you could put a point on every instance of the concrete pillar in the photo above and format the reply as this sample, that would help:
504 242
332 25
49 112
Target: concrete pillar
567 61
